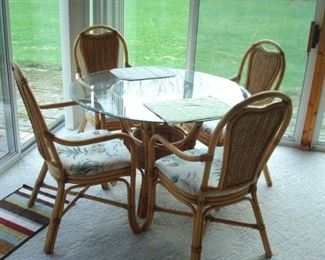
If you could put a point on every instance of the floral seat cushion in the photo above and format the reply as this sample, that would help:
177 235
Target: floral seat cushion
186 175
94 158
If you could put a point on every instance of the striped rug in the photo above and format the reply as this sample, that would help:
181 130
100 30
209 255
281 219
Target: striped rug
18 223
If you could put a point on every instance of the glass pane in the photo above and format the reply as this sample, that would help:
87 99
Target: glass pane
7 131
228 28
35 33
156 32
4 142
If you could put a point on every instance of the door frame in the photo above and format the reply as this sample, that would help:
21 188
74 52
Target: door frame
10 111
311 108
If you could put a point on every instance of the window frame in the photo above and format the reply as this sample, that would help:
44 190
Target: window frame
10 110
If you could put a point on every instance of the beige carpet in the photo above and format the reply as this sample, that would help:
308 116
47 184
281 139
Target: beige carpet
293 209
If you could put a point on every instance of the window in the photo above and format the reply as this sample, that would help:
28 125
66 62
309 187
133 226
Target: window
228 28
8 143
35 34
164 33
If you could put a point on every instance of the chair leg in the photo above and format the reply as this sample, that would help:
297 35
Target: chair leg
261 226
131 206
37 185
267 176
197 236
82 125
151 203
55 219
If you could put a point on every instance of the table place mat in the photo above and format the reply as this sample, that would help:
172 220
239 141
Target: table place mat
189 110
141 73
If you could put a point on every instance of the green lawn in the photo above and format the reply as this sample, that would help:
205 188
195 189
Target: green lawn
228 28
35 32
156 32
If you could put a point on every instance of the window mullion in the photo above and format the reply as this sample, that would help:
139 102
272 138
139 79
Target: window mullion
192 34
74 17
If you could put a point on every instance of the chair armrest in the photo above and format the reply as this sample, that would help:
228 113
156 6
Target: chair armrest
58 105
173 149
87 141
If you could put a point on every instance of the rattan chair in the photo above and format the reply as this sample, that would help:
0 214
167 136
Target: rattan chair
262 68
212 178
78 162
98 48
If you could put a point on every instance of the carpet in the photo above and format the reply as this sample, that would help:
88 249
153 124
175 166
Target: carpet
18 223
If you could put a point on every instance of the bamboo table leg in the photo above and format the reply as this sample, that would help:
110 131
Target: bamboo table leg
100 124
147 132
143 199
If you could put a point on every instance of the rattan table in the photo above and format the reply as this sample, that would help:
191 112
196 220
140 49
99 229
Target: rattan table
127 97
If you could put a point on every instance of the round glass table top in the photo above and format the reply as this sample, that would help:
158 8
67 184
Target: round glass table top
105 93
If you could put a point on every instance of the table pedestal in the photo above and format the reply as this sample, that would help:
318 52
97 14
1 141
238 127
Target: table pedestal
142 133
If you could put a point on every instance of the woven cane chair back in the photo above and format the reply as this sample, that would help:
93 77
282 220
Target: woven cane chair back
33 111
253 129
99 47
264 62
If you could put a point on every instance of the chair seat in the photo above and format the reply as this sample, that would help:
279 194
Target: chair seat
94 158
187 175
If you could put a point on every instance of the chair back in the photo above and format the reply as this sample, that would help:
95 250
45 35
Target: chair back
265 65
253 128
46 148
98 48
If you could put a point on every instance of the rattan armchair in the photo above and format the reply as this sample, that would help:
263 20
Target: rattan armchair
262 68
78 162
98 48
212 178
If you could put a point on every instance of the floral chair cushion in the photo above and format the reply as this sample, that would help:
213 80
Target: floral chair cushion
186 175
94 158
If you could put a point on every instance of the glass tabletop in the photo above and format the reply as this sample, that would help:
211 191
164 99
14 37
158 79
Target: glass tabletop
105 93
